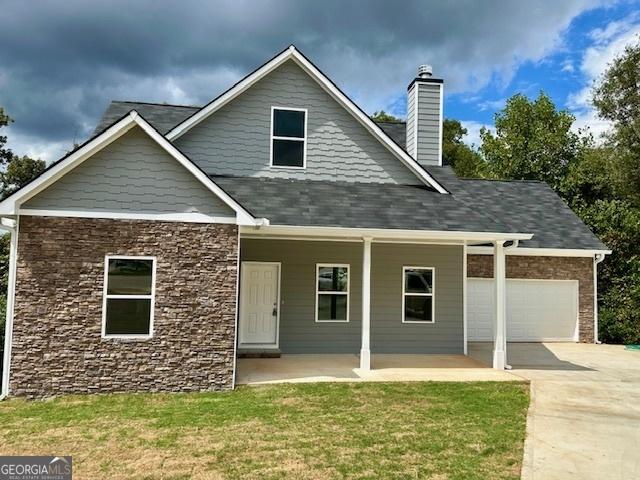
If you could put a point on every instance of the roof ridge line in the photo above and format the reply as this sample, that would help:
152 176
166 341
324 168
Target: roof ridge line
155 103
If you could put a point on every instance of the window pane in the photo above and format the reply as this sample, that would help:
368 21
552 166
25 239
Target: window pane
288 123
332 307
417 309
333 279
128 316
288 153
129 277
418 281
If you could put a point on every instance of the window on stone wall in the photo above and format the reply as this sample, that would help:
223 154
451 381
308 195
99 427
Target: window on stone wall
129 292
417 295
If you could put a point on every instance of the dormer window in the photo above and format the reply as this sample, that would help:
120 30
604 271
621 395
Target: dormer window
288 137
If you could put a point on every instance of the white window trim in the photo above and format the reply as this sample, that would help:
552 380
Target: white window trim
432 294
347 293
106 296
273 137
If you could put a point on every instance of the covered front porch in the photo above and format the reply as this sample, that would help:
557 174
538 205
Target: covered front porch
343 304
302 368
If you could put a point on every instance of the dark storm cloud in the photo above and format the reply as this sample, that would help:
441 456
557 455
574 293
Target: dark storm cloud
61 62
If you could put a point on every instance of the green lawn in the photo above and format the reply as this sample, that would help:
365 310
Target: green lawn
309 431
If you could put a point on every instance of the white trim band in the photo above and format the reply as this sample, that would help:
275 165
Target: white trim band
190 217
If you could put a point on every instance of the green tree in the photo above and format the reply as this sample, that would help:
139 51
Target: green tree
383 116
19 171
465 161
617 99
533 140
5 153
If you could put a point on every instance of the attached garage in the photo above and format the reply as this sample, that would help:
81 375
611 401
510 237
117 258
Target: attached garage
537 310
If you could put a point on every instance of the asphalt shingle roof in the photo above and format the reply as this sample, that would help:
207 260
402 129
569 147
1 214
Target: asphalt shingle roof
525 206
162 117
355 205
474 205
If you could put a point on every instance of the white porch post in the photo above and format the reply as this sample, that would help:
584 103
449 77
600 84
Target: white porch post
500 317
365 352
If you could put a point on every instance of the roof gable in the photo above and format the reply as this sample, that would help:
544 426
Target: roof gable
293 54
11 204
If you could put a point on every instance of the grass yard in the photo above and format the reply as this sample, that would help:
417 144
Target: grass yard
305 431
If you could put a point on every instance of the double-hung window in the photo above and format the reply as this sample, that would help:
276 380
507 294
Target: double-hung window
129 293
288 137
332 293
417 294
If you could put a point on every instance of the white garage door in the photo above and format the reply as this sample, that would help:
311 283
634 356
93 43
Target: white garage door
537 310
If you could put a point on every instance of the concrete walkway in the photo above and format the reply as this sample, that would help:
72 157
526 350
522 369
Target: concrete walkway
584 419
385 368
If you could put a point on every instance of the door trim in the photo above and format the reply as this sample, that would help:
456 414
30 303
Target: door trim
265 346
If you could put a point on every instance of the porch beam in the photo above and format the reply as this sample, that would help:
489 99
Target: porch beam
365 351
500 316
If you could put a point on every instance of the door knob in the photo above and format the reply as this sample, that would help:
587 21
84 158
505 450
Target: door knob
275 310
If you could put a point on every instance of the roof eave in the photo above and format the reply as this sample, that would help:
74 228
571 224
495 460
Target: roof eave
379 233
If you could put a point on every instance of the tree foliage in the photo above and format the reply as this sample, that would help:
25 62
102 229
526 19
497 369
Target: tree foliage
465 161
532 140
382 116
617 99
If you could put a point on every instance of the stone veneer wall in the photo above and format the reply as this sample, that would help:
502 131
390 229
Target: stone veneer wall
557 268
57 344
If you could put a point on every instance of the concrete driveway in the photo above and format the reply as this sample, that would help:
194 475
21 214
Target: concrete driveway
584 419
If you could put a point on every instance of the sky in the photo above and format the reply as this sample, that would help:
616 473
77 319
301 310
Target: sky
61 62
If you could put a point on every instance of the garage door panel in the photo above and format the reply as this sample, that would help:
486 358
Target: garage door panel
537 310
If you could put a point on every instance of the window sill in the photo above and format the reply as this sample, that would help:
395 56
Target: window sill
128 338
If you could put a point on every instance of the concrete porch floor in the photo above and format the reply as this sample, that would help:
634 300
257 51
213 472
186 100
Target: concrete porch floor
385 368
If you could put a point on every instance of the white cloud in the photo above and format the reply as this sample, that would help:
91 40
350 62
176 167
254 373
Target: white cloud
567 66
472 138
35 147
609 42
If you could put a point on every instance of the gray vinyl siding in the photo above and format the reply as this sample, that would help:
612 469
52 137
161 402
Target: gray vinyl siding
411 118
427 106
131 175
299 333
235 140
388 333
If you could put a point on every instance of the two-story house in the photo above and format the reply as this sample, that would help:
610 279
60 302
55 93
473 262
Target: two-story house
277 218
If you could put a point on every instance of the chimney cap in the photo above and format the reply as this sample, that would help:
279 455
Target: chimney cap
425 71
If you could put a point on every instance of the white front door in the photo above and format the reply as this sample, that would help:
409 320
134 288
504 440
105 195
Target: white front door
259 309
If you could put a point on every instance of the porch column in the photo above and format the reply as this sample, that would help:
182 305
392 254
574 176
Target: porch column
365 352
500 317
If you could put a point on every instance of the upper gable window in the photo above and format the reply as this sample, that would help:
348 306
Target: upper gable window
288 137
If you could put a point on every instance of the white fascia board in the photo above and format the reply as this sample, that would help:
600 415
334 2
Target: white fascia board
292 53
380 234
540 252
187 217
9 205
